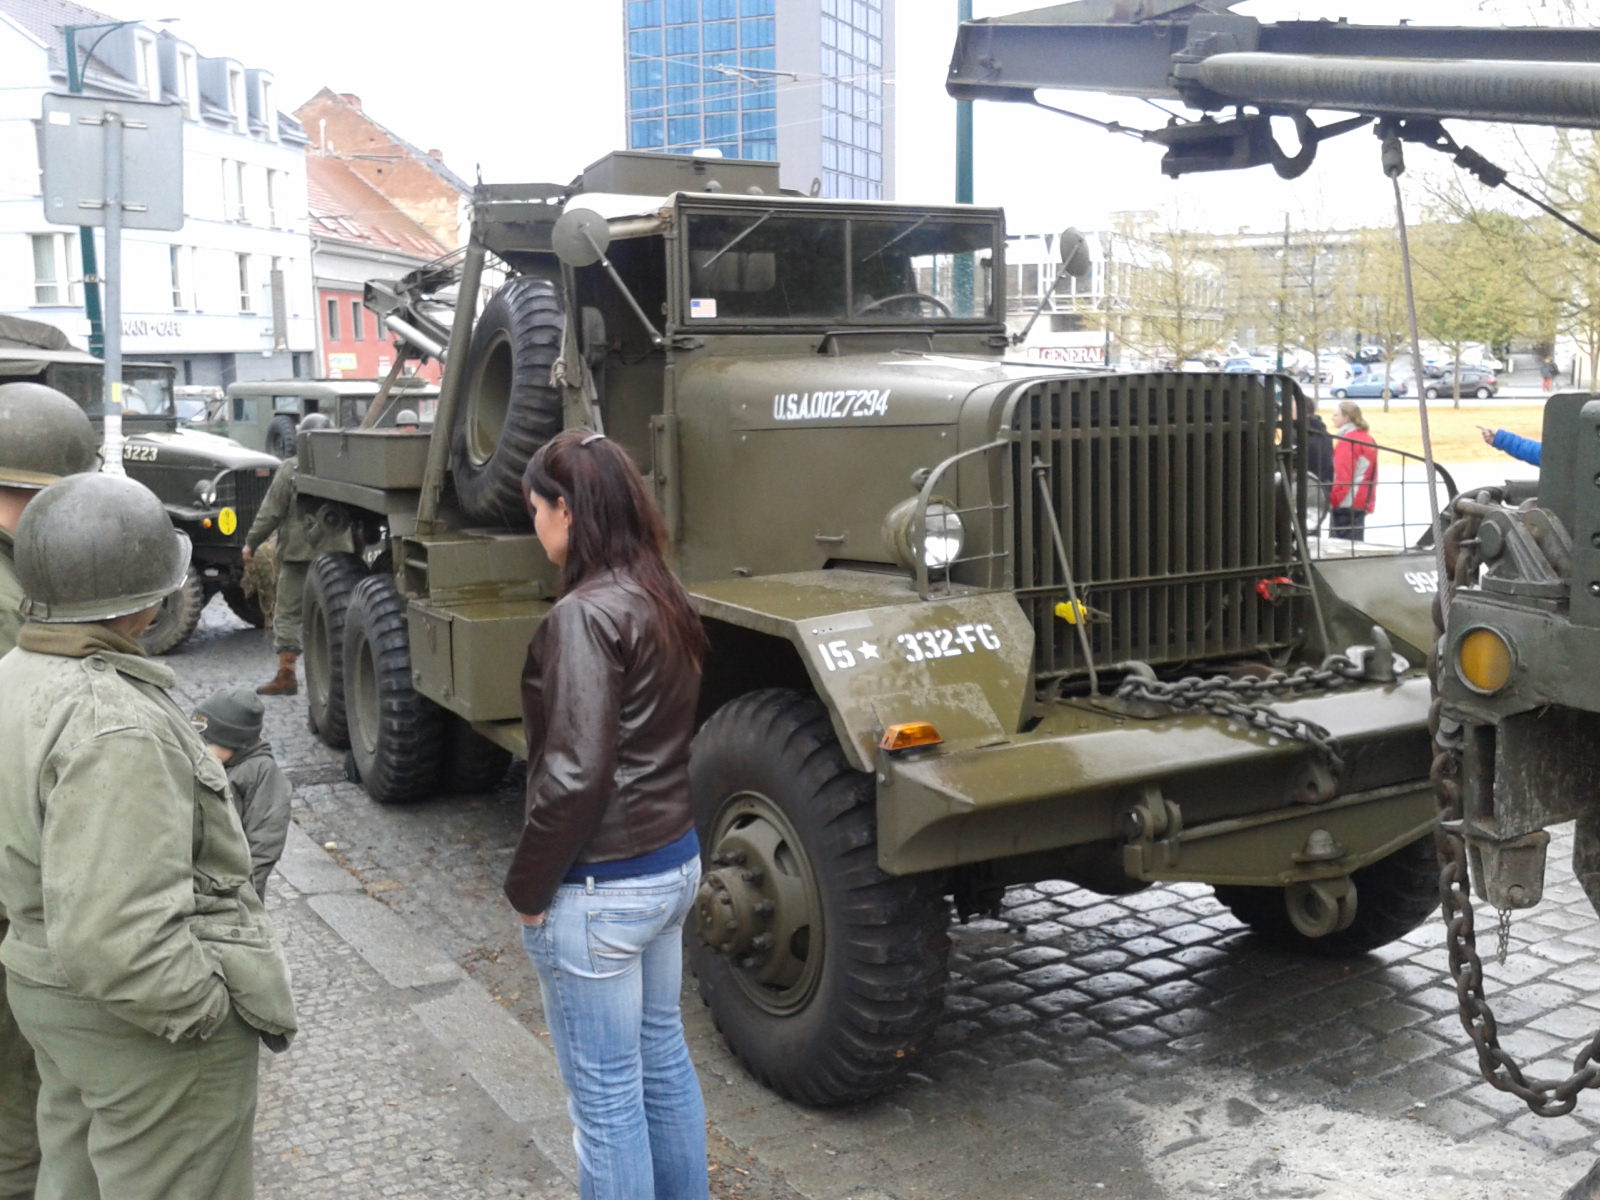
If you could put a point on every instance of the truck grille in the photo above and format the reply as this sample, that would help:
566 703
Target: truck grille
1164 487
245 489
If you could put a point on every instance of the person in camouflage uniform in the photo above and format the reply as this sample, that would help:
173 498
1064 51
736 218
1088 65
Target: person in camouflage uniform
299 541
43 436
141 965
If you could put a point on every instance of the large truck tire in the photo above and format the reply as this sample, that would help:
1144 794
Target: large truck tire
395 732
1393 896
508 408
280 436
830 975
329 585
472 763
176 620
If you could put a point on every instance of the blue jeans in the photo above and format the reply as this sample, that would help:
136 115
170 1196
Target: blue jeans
609 955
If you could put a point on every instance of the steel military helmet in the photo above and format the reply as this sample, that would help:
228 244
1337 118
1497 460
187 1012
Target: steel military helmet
406 416
43 436
313 421
93 547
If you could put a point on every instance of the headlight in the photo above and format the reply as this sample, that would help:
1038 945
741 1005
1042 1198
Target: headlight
1483 660
206 492
937 538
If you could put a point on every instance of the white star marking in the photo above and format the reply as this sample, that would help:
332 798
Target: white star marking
867 650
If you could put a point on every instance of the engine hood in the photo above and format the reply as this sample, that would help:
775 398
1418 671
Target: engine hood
812 390
192 447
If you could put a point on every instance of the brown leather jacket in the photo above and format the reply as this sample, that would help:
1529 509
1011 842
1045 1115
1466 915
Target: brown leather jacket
608 710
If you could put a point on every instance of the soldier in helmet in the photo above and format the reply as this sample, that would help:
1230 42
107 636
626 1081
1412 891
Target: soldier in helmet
405 421
43 436
140 963
300 539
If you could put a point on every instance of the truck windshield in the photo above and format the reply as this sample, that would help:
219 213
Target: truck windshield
147 391
766 265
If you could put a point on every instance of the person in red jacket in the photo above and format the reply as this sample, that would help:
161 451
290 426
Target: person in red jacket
1355 471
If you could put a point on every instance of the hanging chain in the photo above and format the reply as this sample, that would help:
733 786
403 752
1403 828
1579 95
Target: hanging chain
1244 699
1546 1098
1456 555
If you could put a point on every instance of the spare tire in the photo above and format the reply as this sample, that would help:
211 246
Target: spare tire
508 408
280 436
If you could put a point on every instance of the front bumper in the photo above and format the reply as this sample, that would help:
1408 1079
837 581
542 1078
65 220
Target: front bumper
1184 796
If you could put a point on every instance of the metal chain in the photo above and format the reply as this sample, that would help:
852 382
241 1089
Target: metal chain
1244 699
1546 1098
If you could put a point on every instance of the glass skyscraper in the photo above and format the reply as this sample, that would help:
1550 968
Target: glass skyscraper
806 82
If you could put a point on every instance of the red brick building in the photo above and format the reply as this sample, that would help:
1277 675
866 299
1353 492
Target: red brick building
415 181
357 235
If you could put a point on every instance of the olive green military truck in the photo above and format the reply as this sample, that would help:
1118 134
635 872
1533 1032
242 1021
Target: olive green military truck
211 486
972 623
263 413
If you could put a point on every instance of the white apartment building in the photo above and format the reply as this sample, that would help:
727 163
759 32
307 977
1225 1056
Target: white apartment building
229 296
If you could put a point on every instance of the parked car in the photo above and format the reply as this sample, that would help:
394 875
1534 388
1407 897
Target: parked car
1475 381
1368 387
1249 363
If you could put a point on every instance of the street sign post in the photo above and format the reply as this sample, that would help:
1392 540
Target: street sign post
117 164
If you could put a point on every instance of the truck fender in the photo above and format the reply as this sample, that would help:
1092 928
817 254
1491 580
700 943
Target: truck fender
877 655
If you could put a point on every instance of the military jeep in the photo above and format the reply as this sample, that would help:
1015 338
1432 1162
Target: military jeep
972 623
211 486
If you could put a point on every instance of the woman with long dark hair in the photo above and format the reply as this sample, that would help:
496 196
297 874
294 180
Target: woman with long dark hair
607 866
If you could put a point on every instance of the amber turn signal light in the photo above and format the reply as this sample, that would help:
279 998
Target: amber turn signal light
909 735
1484 660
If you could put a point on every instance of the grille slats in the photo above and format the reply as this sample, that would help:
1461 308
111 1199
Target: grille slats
1164 488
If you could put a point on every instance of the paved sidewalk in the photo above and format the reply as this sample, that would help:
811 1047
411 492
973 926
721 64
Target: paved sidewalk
407 1081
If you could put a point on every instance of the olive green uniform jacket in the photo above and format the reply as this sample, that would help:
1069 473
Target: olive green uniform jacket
301 537
10 593
123 866
261 794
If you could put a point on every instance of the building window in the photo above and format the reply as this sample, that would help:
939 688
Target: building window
680 12
644 72
646 135
642 13
272 198
269 116
755 8
236 100
683 133
682 101
333 320
189 84
683 39
147 66
718 10
757 32
247 300
55 268
242 207
358 324
182 278
646 43
721 35
645 102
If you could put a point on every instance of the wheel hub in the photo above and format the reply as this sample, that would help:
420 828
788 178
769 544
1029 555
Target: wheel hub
758 905
733 916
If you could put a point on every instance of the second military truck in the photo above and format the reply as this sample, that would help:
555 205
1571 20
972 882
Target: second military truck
972 623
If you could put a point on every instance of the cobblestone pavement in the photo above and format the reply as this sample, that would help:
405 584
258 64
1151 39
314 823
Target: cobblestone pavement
1142 1046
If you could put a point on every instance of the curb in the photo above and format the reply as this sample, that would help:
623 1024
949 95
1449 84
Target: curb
514 1068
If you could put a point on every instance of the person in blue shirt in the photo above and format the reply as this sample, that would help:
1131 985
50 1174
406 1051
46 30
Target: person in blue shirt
1526 449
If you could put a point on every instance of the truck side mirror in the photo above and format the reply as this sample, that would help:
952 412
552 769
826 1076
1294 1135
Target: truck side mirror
1075 260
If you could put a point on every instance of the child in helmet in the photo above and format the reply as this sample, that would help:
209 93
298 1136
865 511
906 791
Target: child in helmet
230 725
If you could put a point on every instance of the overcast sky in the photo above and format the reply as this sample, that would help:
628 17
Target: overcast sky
532 90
